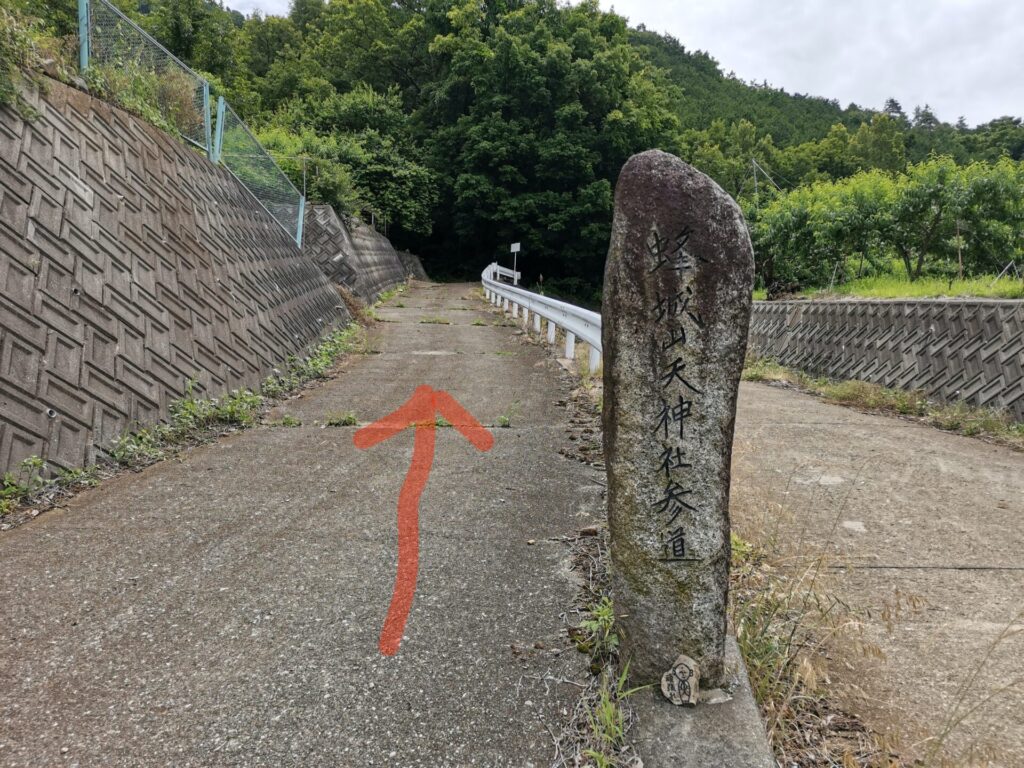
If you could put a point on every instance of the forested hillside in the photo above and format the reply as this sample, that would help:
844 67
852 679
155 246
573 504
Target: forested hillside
468 125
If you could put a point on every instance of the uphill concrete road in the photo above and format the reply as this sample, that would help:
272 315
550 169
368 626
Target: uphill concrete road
224 609
912 511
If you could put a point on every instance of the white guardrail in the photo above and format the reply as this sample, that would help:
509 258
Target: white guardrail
575 322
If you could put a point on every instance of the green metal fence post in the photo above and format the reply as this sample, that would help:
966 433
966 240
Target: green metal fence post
206 119
83 35
218 141
302 215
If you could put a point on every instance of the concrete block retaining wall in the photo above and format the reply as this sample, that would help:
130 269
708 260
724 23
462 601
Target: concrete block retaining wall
128 265
971 350
355 255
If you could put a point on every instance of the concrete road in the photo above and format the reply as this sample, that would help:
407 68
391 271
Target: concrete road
224 609
914 512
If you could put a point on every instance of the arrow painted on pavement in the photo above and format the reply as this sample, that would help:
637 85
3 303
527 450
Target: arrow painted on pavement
420 411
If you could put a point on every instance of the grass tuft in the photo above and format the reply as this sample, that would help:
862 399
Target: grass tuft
28 483
194 419
898 287
347 419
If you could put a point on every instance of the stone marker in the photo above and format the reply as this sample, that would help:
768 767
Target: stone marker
677 295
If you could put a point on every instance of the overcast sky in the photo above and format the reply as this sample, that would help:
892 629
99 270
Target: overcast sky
963 57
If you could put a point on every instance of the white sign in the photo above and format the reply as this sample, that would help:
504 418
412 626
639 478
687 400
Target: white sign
515 247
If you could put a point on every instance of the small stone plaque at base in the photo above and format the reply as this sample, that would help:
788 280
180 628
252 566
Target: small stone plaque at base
681 684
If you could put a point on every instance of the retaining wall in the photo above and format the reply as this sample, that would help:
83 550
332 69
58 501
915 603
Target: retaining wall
354 254
128 265
951 349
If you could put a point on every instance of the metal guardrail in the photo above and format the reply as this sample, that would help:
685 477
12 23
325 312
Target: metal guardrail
576 322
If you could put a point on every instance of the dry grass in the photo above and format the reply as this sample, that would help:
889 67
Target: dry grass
356 307
960 417
789 623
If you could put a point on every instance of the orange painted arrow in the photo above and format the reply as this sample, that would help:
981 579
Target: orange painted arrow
419 411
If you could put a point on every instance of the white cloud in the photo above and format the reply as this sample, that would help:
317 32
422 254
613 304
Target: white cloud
963 57
267 7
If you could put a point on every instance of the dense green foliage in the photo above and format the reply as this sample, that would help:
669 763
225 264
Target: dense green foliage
465 125
936 218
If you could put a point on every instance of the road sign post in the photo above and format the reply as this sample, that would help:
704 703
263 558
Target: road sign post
515 260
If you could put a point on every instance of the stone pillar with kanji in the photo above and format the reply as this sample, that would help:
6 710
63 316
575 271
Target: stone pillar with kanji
677 298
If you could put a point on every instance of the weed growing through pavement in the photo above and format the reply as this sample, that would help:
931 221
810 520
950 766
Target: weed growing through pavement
597 729
193 419
435 321
390 294
347 419
28 484
19 485
952 417
505 419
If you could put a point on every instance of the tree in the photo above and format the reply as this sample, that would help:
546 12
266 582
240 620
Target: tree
894 111
178 24
879 144
306 14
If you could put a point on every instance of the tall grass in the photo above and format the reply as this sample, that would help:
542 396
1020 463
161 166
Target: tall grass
895 286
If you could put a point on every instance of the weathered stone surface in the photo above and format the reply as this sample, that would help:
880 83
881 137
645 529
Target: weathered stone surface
677 296
681 684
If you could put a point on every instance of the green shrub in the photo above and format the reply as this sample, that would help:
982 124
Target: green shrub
17 486
347 419
24 47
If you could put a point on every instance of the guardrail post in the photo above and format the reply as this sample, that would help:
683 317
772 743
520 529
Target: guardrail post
536 323
595 359
570 345
551 332
83 35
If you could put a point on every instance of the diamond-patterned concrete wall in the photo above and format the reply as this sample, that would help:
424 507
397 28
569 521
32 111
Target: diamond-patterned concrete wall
128 264
354 254
952 350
